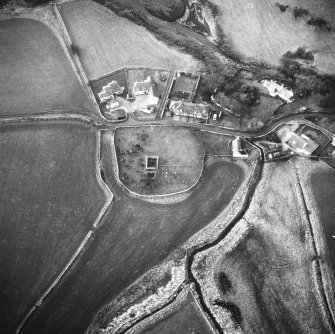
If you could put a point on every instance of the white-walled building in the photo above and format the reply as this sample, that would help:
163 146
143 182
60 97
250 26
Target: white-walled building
277 89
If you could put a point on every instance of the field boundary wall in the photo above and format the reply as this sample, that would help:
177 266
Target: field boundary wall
166 198
76 60
109 198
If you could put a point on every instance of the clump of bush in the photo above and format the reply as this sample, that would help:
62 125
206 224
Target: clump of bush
300 12
300 53
232 309
223 282
281 7
319 23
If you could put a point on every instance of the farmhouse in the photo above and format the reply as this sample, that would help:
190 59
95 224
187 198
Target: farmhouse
188 109
112 104
301 144
142 87
277 89
236 150
109 91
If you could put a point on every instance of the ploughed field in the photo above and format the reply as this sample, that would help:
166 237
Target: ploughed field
267 281
323 185
260 30
135 236
35 75
49 200
185 317
107 42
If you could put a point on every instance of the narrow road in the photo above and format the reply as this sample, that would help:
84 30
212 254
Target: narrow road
160 113
104 124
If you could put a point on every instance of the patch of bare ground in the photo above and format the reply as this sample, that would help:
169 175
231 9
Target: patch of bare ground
259 30
266 281
107 42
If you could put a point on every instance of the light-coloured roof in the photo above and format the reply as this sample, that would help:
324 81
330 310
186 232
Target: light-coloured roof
300 144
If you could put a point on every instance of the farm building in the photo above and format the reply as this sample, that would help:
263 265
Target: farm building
188 109
277 89
301 144
109 91
236 150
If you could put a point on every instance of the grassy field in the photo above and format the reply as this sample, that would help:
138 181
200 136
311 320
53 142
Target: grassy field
107 42
214 144
135 236
48 201
180 158
259 30
185 318
268 276
324 191
168 10
264 110
35 73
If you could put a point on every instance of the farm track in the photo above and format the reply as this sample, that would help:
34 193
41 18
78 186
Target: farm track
160 113
84 243
95 121
101 124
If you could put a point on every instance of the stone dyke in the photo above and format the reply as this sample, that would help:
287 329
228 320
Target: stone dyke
204 267
163 199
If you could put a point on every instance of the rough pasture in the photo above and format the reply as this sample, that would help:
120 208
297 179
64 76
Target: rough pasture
269 275
49 199
35 73
135 236
323 185
107 42
259 30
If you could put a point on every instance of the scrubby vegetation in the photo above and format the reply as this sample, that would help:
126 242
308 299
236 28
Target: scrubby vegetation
281 7
302 77
299 12
168 10
319 23
300 53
